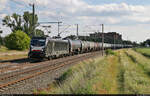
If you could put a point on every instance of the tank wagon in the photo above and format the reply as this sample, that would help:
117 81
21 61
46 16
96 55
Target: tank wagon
74 46
46 47
85 46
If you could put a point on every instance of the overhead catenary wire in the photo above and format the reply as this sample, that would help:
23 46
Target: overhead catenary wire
65 29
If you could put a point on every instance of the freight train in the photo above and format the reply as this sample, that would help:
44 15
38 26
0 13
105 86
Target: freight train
47 47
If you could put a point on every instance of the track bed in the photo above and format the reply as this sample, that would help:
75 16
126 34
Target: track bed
28 76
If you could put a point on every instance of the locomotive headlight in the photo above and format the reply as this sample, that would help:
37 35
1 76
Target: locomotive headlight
43 49
30 47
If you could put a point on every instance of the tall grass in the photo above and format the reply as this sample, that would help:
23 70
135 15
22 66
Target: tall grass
6 54
123 73
120 76
136 81
110 52
79 82
3 49
142 61
95 76
143 51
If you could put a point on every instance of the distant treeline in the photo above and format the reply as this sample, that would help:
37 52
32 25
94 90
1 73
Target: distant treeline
146 43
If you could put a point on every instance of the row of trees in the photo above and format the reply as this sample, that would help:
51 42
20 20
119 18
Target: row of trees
145 43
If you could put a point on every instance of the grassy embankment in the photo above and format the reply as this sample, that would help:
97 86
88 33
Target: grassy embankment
6 54
135 80
143 51
125 72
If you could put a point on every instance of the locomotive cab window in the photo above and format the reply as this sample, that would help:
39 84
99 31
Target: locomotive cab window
38 42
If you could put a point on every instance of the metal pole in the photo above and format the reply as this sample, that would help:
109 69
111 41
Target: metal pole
1 38
33 20
102 39
114 40
77 32
122 40
53 22
58 28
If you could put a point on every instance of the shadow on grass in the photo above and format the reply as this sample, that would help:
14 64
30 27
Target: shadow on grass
147 71
64 76
121 79
146 55
131 57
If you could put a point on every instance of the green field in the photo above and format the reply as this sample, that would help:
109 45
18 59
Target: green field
125 72
6 54
144 51
3 49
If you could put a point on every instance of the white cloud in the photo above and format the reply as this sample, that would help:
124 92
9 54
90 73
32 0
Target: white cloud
112 13
137 33
2 16
78 11
2 4
116 9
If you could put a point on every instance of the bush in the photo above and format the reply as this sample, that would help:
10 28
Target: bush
109 52
17 40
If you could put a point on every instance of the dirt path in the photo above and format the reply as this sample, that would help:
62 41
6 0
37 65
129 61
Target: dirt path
107 83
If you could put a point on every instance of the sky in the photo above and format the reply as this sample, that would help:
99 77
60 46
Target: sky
131 18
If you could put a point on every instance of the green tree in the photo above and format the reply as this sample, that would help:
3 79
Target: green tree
28 21
39 33
14 22
147 42
17 40
23 23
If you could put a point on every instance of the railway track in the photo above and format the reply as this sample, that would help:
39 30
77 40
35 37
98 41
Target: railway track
12 78
15 67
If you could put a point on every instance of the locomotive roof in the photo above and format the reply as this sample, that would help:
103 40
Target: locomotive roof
41 37
59 40
38 37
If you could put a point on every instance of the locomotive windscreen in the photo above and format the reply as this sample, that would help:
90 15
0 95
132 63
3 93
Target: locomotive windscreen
38 42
